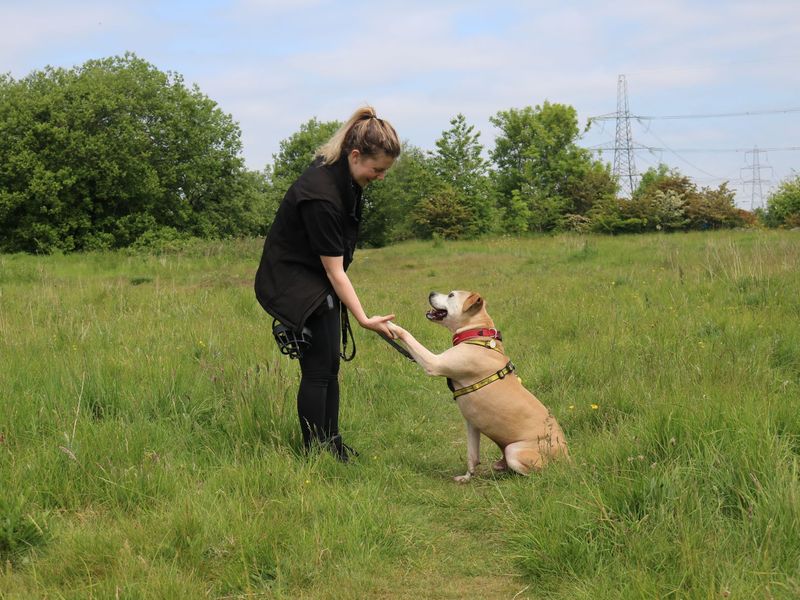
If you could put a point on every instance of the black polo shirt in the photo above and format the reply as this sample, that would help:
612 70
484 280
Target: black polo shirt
323 224
319 216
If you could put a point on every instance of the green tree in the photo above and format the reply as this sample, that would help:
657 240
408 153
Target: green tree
537 154
783 205
518 129
458 162
97 156
660 178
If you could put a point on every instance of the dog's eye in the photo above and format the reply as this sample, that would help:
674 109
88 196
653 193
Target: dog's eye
450 295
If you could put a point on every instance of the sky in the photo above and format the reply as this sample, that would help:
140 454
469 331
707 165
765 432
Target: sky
274 64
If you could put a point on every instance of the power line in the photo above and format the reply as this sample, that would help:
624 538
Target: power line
749 113
745 150
700 150
679 156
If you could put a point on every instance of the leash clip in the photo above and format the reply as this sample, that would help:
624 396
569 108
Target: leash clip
509 368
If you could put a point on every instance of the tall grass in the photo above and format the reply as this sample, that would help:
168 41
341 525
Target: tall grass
149 446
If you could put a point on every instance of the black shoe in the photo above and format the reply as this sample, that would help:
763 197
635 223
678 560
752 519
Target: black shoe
340 450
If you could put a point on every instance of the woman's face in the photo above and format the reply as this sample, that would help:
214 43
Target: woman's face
365 168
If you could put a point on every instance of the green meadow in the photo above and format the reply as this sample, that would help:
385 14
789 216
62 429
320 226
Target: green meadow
149 445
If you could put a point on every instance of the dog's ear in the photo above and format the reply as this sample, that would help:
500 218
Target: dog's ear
473 303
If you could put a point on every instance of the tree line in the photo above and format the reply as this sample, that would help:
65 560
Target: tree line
116 153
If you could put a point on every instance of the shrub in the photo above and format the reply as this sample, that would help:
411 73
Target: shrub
783 205
443 214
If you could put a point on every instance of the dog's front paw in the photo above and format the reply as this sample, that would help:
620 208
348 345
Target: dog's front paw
397 331
463 478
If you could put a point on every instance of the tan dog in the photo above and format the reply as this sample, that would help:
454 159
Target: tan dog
488 393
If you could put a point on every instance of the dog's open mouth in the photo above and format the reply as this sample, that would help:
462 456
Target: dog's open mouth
436 314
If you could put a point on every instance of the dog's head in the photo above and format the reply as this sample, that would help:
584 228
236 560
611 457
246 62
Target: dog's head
458 309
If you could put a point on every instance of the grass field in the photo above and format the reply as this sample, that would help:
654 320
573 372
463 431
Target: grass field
149 445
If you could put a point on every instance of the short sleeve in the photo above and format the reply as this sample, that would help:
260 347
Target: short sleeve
323 223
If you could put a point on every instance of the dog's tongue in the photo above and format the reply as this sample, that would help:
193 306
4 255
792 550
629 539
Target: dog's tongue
436 314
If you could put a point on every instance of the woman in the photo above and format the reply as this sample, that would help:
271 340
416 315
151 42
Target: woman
302 276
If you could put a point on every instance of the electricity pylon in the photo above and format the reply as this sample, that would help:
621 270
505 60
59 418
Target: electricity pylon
624 165
756 191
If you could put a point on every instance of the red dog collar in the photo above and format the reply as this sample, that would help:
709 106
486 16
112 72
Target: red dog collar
473 333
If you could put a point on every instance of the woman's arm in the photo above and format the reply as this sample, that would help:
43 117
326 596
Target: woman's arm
334 268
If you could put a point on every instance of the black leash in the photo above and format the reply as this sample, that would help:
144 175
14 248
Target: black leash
346 330
397 347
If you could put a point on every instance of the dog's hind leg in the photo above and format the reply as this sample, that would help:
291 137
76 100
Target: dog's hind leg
500 465
523 458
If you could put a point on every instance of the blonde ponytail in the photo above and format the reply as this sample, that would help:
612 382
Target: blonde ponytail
364 132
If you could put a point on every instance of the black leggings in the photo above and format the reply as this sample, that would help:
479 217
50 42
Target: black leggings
318 396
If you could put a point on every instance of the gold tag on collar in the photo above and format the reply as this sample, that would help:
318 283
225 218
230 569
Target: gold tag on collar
492 344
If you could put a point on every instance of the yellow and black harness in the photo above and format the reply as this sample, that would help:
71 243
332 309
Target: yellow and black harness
509 368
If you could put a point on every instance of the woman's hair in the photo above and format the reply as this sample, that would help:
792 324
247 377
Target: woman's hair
364 132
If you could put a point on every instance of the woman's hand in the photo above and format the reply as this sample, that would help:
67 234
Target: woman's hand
379 324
